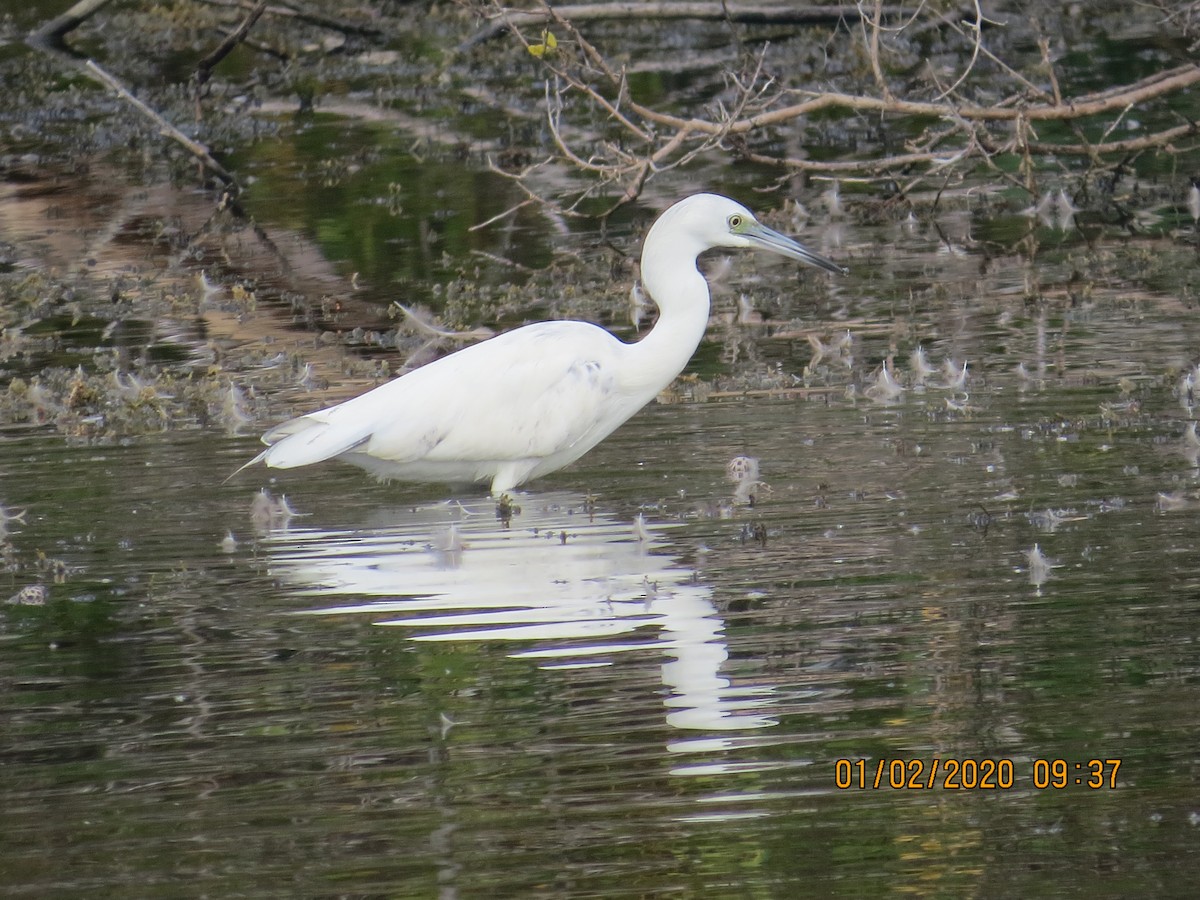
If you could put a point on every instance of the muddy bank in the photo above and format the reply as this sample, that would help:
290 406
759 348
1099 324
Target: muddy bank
141 294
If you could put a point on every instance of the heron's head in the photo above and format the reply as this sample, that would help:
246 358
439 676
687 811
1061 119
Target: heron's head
711 220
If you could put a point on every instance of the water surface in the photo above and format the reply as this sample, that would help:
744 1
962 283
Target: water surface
634 682
395 692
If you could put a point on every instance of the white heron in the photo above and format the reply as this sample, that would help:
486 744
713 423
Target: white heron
537 398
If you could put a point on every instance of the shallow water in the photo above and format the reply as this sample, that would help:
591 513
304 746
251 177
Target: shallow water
635 683
394 692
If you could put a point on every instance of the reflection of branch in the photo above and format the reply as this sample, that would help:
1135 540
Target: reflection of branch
434 132
165 128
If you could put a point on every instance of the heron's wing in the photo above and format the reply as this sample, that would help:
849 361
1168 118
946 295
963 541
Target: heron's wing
528 393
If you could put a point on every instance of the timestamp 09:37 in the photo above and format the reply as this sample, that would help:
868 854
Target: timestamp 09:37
969 774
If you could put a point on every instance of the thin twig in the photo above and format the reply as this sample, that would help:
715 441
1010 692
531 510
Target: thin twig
1044 47
511 211
871 36
976 44
654 140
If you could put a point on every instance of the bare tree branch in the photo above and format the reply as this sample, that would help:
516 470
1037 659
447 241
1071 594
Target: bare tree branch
205 66
514 20
626 142
51 34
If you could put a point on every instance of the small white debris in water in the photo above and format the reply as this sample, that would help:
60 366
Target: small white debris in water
956 378
885 388
267 512
1039 567
640 533
918 363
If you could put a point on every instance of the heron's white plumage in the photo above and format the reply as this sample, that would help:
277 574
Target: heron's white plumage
532 400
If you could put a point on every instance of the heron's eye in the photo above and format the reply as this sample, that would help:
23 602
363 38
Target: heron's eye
735 221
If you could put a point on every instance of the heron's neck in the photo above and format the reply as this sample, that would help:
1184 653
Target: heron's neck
670 276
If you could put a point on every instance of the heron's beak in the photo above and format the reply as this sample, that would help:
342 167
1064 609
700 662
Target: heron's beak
765 238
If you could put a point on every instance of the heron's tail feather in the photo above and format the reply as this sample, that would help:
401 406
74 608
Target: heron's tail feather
244 466
306 440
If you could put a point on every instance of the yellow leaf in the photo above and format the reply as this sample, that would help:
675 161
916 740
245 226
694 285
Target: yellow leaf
548 44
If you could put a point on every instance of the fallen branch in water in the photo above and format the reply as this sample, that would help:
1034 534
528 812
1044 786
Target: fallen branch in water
50 39
165 128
